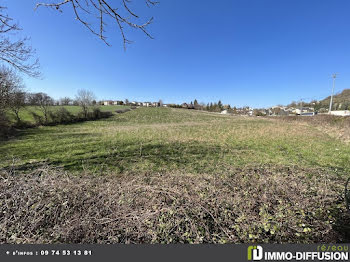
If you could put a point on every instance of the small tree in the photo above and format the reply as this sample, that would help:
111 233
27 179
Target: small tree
17 102
220 105
44 101
84 99
10 84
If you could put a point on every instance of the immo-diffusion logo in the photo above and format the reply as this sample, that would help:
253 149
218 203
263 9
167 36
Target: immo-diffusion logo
255 253
332 253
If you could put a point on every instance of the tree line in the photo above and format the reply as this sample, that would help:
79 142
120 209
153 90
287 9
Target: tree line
14 99
211 107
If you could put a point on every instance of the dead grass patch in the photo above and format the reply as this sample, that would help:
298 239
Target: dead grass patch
334 126
254 204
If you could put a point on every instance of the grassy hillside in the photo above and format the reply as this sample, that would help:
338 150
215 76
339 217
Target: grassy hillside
342 97
163 175
25 113
155 139
341 101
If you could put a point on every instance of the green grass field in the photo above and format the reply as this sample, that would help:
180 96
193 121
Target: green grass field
154 139
25 113
190 176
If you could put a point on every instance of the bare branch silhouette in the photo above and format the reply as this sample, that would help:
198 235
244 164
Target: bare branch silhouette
101 10
17 53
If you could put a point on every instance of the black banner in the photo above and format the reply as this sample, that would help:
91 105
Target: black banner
239 252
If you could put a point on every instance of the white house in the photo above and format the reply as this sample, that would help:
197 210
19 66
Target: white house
303 110
107 102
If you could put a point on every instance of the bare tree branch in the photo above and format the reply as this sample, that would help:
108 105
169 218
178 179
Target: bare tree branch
6 23
17 53
102 10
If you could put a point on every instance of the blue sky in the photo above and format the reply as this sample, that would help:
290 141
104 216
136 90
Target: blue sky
247 52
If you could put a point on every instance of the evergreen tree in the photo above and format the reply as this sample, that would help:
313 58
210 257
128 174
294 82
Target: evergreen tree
220 104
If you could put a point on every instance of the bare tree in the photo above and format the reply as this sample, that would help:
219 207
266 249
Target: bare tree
10 82
84 99
102 11
65 101
44 101
10 87
17 102
17 53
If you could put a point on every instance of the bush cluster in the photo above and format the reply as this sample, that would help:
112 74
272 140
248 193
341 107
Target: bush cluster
63 116
124 110
58 117
5 127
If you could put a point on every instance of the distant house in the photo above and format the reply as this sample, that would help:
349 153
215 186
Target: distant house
147 104
156 104
304 110
107 102
118 102
111 102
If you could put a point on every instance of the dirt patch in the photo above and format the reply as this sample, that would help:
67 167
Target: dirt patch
255 204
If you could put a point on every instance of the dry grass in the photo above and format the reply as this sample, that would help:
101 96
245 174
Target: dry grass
335 126
261 204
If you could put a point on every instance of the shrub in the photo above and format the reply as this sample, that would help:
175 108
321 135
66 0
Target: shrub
63 116
39 120
81 116
96 113
53 117
5 127
120 111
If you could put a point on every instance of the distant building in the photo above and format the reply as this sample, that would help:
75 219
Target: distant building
118 103
111 102
107 102
303 110
340 113
279 111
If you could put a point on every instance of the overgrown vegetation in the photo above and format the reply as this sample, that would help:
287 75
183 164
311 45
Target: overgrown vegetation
260 204
335 126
